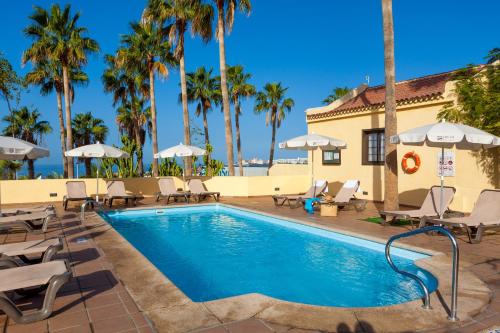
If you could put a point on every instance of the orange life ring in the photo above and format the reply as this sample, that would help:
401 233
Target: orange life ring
416 160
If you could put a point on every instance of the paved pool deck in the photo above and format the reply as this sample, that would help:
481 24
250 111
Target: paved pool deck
115 289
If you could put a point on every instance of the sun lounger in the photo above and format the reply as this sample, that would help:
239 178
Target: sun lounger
76 191
26 210
484 215
430 207
199 192
168 190
116 190
32 222
21 280
346 196
297 200
44 249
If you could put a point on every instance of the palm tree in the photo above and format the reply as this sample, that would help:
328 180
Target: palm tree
391 201
127 83
57 37
9 81
147 44
25 124
238 87
225 21
88 130
272 101
183 15
204 89
134 121
336 94
48 75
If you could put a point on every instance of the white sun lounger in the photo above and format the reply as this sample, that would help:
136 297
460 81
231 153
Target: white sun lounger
297 200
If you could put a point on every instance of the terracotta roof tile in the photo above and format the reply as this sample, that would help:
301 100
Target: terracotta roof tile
427 86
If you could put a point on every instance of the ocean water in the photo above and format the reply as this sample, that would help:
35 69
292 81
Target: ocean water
213 252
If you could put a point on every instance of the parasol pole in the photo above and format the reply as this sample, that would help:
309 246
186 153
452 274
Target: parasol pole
441 194
97 183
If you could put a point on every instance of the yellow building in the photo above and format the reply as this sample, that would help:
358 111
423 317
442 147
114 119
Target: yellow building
358 119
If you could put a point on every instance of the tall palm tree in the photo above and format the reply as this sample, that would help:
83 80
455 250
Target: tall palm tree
48 75
183 15
88 130
57 37
9 81
336 94
127 83
391 201
239 87
225 21
203 89
25 124
147 44
273 102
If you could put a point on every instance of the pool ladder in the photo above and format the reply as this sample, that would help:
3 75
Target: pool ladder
454 275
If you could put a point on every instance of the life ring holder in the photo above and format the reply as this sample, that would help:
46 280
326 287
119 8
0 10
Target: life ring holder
404 163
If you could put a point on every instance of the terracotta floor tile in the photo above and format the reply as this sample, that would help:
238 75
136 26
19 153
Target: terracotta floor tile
67 320
111 325
97 300
69 302
218 329
106 312
139 319
146 330
77 329
40 326
248 326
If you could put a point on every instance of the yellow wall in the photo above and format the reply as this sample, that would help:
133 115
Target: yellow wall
469 178
39 190
289 169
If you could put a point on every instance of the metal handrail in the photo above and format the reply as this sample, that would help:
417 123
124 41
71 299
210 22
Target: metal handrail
454 276
96 204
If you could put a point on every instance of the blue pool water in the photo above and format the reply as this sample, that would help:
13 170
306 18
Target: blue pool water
214 251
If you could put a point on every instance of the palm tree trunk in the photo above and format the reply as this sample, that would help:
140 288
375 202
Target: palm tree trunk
238 137
185 111
69 131
391 159
140 164
273 139
88 167
31 169
62 133
225 93
154 137
205 126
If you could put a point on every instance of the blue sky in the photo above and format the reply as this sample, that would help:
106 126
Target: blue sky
309 46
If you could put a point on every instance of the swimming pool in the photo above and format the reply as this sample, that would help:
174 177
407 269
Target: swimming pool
215 251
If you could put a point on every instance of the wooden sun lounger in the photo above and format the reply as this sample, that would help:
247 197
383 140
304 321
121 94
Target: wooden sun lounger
484 215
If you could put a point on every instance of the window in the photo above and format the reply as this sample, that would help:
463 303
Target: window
331 157
373 147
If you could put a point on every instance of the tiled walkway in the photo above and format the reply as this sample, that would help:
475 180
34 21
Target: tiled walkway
93 301
96 301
